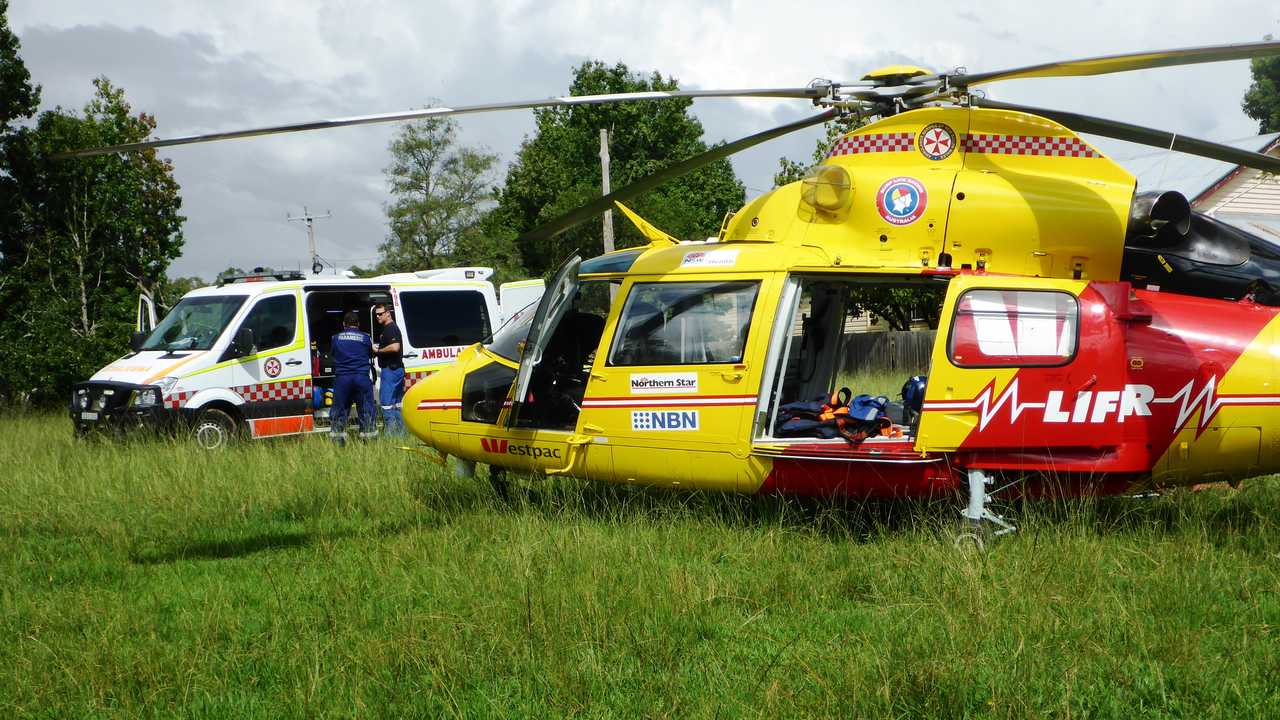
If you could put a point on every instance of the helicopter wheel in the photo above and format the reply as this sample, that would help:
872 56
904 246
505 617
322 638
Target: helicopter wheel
970 541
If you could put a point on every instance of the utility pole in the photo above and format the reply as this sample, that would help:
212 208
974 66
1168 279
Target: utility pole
309 219
604 173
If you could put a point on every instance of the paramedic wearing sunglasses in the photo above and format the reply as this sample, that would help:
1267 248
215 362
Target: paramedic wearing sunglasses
391 386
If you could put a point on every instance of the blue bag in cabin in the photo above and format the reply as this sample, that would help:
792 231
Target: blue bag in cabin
839 414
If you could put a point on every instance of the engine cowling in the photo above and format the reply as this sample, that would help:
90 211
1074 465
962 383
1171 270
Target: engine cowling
1158 218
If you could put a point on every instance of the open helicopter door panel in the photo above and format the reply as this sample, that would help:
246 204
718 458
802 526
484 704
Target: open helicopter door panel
541 411
1038 375
1092 379
827 341
546 319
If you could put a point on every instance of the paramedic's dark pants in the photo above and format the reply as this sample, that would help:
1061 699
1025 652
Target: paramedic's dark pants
345 389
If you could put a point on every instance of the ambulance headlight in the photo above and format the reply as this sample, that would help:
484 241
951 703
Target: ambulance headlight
81 400
146 397
151 397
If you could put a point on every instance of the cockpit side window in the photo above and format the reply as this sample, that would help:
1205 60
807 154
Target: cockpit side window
685 323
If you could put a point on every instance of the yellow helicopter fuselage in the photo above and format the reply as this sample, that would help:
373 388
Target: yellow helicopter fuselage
1043 359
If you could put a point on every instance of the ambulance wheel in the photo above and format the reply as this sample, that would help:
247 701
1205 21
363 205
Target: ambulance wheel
214 429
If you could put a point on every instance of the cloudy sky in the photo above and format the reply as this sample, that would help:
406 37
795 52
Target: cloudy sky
201 67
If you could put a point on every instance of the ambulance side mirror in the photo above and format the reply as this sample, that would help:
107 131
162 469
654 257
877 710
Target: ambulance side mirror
137 340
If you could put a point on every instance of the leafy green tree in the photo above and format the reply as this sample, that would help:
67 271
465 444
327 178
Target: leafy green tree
898 306
489 244
80 239
18 97
1262 99
171 290
558 168
439 191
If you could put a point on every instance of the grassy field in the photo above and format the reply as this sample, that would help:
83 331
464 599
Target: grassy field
292 579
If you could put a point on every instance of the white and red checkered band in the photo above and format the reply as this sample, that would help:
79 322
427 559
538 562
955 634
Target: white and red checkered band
414 376
270 392
874 142
1028 145
177 399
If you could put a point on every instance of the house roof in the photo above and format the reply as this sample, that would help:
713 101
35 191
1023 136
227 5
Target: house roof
1190 175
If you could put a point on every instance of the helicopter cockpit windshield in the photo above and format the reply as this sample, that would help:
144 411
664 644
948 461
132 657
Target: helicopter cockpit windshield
507 340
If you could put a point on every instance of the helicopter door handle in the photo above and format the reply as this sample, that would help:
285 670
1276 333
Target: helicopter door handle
599 376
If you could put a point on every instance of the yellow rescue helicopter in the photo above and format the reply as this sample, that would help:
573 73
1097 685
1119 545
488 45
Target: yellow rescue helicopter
1090 338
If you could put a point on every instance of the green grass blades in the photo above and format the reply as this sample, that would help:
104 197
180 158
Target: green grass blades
294 579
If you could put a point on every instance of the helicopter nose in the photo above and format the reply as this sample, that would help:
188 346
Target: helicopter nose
416 418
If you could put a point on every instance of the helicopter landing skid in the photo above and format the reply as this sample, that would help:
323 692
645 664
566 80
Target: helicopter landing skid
977 513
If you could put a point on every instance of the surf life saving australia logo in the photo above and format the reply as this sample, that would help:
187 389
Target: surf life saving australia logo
901 200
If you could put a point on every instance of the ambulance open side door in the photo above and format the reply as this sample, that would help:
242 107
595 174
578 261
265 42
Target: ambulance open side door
514 296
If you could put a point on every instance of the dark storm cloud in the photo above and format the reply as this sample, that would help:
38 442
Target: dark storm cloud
184 75
236 195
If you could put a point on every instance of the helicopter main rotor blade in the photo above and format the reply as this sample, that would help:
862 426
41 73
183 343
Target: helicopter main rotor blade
807 93
1117 63
590 210
1143 135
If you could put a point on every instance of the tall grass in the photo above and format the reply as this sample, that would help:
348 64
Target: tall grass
293 579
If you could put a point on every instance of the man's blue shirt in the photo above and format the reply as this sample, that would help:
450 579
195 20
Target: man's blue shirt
352 352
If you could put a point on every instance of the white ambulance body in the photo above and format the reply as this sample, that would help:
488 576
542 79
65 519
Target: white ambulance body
251 357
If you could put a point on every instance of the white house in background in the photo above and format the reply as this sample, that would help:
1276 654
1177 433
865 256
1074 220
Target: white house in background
1244 197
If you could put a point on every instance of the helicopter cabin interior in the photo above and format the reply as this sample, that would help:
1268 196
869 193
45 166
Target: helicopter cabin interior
559 382
832 332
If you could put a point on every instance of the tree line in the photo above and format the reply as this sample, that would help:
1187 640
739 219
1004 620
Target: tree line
80 240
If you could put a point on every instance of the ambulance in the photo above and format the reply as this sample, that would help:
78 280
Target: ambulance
250 357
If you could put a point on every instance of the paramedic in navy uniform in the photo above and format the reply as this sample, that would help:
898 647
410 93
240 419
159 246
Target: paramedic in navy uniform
352 358
391 379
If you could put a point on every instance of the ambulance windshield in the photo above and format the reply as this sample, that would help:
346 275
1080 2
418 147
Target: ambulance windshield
195 323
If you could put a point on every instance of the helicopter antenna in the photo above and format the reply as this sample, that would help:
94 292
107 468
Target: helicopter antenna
309 219
1167 154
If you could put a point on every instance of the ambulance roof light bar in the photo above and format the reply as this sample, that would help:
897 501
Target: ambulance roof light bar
261 275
